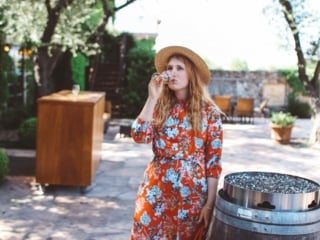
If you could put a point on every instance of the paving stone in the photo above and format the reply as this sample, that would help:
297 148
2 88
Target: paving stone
105 210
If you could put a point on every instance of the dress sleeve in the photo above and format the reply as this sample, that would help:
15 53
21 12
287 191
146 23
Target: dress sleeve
214 144
142 131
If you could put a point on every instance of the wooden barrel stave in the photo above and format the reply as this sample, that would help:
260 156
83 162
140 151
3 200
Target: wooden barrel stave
233 222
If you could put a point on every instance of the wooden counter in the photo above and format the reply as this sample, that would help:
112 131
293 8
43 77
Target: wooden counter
69 138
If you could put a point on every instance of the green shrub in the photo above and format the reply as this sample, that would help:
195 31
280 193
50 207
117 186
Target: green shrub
4 164
11 118
298 108
27 133
140 67
78 68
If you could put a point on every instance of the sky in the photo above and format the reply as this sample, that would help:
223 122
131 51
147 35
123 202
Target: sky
218 32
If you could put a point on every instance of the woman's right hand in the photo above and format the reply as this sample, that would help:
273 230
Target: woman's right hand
155 86
154 90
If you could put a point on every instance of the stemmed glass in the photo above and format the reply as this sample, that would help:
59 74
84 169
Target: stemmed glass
165 76
75 90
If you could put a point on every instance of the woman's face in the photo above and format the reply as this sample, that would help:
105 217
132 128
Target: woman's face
179 76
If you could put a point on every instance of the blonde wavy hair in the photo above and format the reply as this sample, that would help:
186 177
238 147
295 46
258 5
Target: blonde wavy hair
197 96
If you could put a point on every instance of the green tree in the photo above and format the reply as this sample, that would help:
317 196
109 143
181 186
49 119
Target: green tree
301 27
239 65
52 27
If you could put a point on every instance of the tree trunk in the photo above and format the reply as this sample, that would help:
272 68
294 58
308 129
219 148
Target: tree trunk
312 86
44 66
315 119
62 74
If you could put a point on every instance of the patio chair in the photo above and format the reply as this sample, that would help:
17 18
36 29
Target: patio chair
244 110
262 110
224 103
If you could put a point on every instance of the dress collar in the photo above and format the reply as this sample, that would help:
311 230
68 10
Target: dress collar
181 101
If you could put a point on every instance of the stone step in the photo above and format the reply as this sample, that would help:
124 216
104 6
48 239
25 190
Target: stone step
21 162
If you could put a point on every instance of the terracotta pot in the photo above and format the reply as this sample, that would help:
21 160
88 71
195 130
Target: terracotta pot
280 134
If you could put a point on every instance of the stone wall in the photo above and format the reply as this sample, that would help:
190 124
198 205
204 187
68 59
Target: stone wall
253 84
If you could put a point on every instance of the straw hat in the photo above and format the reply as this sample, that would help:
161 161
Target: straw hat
162 57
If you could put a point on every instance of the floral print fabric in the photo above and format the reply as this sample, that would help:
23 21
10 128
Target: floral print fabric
174 187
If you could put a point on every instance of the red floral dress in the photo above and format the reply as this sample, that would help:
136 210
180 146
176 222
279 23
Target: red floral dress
174 187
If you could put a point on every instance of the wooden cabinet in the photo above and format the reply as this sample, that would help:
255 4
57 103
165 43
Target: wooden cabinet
69 138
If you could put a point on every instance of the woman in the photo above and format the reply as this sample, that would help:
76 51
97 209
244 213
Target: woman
179 188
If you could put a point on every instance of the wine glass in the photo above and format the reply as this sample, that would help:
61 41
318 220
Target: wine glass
165 76
75 90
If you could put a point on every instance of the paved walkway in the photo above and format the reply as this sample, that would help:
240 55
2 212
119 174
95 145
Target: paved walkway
106 211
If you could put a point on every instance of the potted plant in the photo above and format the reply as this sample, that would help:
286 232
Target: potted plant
281 126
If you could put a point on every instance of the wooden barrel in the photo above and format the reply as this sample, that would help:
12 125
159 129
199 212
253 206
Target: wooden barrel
233 222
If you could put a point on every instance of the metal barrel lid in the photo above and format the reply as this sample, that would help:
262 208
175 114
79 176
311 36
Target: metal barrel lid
271 191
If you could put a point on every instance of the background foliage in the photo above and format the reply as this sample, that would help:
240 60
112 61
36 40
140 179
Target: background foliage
140 67
79 63
296 106
27 133
4 164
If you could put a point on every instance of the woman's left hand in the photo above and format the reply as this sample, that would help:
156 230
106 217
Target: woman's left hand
205 215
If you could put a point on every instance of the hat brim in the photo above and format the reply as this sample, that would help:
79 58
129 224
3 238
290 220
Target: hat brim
162 57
